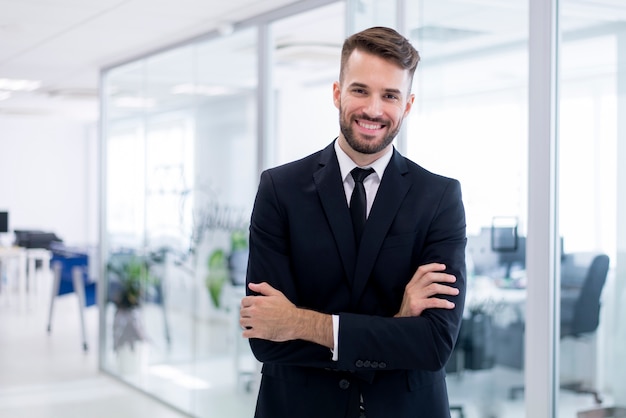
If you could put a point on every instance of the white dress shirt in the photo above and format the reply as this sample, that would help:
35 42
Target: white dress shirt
371 183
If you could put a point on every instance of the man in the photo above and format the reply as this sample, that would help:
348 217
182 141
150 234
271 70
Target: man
348 323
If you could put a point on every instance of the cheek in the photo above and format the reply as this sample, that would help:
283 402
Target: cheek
399 114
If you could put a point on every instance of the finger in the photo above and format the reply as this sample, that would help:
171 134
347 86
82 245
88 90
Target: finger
245 323
438 303
244 313
246 301
424 269
429 280
264 289
444 278
430 267
442 289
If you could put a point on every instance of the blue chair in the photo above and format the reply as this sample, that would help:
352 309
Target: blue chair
70 268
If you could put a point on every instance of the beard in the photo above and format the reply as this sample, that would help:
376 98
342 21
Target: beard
364 146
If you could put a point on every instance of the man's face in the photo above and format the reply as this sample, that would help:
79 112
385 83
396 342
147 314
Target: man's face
373 99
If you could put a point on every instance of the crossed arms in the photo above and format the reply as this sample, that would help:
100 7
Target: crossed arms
271 316
410 325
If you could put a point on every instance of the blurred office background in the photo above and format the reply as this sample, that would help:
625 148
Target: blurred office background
135 171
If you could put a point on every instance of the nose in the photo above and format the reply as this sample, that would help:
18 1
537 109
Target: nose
373 107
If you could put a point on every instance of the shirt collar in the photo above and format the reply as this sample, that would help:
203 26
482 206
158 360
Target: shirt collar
346 164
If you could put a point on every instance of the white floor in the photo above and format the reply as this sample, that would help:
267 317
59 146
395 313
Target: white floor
49 375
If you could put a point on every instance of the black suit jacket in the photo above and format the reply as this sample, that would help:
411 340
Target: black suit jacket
302 243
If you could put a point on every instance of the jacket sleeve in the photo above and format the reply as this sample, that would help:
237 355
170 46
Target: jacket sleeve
269 261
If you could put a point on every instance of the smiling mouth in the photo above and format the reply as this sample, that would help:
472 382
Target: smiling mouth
372 126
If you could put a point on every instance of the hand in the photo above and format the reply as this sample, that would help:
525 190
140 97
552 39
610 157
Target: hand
268 316
271 316
428 280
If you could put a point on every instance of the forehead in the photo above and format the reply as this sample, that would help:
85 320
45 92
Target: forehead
372 70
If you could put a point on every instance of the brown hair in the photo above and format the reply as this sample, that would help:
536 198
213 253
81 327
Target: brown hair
382 42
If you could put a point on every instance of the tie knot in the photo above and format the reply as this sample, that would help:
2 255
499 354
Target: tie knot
359 174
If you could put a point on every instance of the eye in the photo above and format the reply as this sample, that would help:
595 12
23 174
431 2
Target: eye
358 90
391 97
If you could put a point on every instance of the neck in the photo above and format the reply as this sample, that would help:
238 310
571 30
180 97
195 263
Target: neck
360 159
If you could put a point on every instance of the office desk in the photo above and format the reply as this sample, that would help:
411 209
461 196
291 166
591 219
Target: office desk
17 254
484 293
488 307
33 255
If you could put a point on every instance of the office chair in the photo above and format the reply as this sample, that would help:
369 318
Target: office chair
71 275
580 301
582 279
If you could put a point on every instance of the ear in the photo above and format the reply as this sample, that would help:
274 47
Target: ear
337 94
409 104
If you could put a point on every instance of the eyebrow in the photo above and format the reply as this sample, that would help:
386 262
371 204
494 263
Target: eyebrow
361 85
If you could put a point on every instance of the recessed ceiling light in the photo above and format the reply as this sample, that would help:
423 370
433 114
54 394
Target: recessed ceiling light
135 102
13 84
202 90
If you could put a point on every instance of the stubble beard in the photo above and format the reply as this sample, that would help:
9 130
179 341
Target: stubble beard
362 146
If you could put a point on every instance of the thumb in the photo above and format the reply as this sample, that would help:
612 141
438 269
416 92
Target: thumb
264 289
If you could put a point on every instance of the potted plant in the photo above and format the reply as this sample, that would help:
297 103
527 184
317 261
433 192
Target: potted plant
217 276
238 259
129 280
223 266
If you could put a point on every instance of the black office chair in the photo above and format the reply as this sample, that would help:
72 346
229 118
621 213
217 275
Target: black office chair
582 279
581 288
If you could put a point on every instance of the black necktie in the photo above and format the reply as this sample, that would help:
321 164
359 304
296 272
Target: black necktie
358 204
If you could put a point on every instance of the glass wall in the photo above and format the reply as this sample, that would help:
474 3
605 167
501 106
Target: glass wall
470 122
181 152
183 146
180 146
591 192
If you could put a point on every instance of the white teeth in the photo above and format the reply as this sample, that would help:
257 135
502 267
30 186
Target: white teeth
369 125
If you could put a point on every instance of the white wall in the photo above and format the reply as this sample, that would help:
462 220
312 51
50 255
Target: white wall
49 176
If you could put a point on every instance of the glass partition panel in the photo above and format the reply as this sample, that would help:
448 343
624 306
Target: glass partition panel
181 174
219 205
592 186
469 122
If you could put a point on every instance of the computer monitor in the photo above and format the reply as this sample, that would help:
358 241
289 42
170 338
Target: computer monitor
4 222
495 252
504 239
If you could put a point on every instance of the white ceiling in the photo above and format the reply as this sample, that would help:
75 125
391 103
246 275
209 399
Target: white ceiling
64 43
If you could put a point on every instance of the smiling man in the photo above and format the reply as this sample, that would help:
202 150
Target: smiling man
356 275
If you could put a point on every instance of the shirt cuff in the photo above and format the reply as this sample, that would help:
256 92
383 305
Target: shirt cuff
335 351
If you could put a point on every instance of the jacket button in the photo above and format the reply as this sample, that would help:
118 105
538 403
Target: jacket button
359 363
344 384
366 363
374 364
382 364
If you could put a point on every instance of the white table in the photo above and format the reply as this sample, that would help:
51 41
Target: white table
483 292
14 254
33 255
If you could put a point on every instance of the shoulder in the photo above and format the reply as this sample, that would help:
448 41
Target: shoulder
308 163
304 168
420 174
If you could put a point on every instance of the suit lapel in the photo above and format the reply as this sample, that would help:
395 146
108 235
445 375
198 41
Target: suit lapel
391 193
332 195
